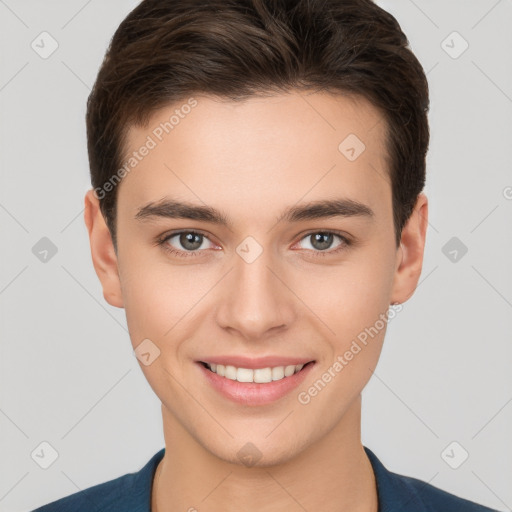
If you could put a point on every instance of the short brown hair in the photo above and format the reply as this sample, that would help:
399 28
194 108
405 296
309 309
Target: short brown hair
166 50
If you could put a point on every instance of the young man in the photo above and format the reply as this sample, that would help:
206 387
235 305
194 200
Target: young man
257 171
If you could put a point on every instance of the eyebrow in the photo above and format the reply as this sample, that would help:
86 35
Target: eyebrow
326 208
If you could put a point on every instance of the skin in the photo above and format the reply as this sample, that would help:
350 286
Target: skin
251 160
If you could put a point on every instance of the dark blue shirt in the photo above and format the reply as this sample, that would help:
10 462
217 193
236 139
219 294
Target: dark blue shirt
132 493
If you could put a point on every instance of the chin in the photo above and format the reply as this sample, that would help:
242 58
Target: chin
257 451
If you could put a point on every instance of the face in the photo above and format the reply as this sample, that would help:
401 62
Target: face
281 253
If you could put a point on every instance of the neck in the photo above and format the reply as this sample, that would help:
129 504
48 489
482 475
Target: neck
330 475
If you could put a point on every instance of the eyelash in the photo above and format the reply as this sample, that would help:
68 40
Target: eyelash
166 247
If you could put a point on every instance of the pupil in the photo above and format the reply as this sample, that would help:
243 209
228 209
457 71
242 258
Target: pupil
187 240
319 244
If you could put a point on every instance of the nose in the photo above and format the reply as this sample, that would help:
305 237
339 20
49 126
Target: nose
255 302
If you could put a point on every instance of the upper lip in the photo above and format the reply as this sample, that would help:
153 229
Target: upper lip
256 362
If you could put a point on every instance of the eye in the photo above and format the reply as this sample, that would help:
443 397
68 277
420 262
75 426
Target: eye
186 243
193 243
321 241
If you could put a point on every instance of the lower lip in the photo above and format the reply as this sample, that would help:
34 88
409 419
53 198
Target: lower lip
251 393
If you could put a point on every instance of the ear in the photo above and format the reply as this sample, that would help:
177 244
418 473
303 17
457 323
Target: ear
103 254
410 252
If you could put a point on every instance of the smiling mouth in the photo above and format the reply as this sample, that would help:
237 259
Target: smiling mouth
258 375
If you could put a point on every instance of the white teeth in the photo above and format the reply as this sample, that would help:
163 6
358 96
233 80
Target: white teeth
230 372
262 375
278 373
259 375
289 370
244 375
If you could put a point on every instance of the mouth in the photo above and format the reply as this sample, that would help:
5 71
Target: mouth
256 375
254 386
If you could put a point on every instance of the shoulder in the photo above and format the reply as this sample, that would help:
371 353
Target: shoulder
436 499
128 493
400 493
107 496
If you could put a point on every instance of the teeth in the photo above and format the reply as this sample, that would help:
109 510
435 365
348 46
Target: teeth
230 372
278 373
289 370
260 375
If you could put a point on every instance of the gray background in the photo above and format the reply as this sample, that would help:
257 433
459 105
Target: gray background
68 374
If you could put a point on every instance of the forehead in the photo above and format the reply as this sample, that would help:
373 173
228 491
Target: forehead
259 152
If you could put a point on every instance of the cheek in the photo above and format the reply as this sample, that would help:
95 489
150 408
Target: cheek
353 300
348 297
162 300
356 309
152 296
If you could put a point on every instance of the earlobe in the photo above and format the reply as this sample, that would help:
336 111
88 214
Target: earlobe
103 254
412 245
